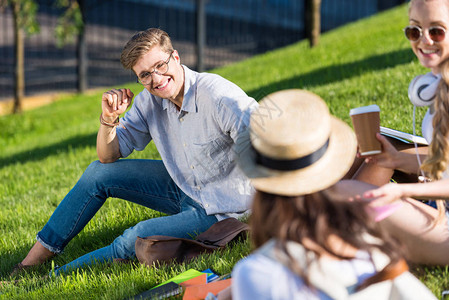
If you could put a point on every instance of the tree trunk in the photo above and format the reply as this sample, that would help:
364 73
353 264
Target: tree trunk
81 52
200 34
19 72
313 21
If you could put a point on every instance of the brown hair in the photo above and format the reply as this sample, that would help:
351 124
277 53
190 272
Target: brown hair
315 217
141 43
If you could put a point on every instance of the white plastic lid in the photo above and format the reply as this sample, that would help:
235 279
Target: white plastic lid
364 109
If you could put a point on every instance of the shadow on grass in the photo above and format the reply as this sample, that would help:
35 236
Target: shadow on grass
43 152
337 73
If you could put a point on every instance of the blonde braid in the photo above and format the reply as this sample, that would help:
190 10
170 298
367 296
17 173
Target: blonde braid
437 160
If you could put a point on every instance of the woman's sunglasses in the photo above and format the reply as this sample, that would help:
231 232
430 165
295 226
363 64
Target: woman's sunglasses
415 33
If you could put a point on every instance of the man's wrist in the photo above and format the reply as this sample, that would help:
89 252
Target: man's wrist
114 123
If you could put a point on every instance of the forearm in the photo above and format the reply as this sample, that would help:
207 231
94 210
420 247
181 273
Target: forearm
108 149
429 190
408 162
113 104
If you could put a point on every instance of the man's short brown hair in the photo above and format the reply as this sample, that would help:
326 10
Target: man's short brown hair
141 43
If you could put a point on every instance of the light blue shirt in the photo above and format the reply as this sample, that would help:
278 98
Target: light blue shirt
195 143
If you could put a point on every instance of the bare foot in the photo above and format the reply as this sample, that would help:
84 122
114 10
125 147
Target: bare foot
37 255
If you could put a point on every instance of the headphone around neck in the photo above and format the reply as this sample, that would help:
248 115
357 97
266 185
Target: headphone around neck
421 92
422 89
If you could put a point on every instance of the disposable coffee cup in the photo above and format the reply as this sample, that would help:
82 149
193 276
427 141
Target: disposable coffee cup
366 123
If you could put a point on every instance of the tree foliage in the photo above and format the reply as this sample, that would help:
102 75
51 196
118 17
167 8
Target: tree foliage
70 23
26 17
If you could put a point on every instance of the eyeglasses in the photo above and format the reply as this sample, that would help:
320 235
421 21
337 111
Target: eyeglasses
415 33
145 78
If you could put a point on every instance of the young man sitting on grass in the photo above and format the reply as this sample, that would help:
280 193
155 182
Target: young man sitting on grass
193 119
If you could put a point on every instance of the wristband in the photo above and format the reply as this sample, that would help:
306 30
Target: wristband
116 122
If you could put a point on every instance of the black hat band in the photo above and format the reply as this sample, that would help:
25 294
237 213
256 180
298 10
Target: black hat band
291 164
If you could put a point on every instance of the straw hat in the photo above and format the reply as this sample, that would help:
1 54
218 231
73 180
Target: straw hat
294 146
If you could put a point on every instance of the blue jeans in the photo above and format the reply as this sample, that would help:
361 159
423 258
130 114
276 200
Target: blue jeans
145 182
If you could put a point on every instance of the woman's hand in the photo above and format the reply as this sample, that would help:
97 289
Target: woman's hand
388 158
385 194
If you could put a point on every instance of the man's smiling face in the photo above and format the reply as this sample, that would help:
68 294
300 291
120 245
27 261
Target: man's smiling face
169 85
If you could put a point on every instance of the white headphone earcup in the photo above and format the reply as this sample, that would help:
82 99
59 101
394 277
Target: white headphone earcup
422 89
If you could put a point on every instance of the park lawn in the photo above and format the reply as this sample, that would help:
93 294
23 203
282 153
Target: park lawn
44 151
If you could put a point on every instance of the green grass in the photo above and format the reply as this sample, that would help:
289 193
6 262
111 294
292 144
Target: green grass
43 152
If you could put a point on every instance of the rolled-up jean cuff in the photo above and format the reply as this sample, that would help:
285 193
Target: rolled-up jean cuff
47 246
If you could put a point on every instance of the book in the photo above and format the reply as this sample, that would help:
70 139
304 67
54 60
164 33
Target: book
202 279
168 288
211 276
192 280
403 136
161 292
189 274
201 291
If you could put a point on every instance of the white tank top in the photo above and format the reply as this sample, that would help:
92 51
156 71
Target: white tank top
426 126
